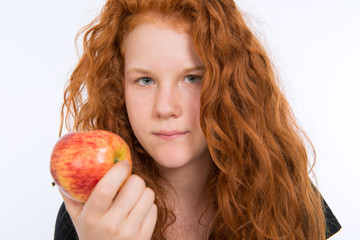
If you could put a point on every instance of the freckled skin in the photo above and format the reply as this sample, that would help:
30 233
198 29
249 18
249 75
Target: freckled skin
80 159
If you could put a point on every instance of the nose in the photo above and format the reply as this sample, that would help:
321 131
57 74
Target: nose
167 102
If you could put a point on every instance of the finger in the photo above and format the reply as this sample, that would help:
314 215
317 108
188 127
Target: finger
149 223
127 197
141 209
72 207
106 189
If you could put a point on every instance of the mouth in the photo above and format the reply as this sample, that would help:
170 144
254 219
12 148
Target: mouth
168 135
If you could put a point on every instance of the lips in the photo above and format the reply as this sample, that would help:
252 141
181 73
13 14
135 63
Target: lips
170 134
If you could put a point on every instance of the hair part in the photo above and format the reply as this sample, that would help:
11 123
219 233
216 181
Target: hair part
259 186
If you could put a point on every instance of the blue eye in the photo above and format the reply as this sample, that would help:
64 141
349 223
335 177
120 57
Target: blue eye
192 79
145 81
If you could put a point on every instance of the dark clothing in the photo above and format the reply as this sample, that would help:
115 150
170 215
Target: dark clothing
332 224
64 229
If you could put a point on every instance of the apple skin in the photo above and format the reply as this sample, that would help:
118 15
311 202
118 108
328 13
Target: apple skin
80 159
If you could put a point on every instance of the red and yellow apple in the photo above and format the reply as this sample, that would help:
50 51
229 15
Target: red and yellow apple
80 159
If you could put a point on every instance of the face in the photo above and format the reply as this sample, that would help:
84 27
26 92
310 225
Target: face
163 81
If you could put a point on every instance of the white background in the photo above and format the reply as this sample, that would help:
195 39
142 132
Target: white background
314 44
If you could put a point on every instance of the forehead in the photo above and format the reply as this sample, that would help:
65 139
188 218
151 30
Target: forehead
158 41
178 24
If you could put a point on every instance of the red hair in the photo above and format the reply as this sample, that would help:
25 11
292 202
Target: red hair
259 185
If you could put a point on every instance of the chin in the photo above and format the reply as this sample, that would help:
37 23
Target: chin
172 162
177 160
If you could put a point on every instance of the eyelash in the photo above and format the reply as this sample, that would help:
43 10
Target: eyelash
140 80
197 79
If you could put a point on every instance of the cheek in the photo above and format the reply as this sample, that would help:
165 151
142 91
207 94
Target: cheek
193 106
135 109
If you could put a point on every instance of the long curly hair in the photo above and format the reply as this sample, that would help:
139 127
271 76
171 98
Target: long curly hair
259 185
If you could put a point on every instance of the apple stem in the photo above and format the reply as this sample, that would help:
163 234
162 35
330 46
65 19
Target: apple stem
53 184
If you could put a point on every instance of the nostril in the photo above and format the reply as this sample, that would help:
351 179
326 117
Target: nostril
165 108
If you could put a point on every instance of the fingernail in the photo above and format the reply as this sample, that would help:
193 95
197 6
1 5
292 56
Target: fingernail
125 163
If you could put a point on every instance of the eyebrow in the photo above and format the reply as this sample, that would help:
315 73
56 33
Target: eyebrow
145 71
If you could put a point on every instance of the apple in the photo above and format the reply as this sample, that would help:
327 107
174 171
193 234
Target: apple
80 159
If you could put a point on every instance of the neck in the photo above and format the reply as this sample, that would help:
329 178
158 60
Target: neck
188 183
189 199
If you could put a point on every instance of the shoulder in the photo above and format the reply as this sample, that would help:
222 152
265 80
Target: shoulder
332 224
64 228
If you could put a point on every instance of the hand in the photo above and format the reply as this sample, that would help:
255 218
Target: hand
110 213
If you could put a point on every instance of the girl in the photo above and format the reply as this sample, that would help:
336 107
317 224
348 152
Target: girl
216 150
